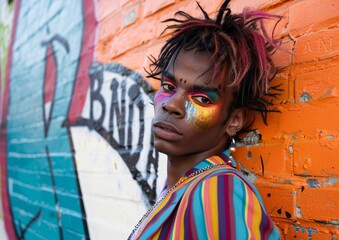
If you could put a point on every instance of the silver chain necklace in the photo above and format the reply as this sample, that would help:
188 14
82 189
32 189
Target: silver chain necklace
183 179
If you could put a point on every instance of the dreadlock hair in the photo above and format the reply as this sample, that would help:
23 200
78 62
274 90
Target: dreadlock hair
240 51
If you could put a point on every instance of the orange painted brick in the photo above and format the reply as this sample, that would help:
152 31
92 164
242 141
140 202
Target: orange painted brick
287 95
211 7
190 8
186 6
133 60
267 5
133 36
160 27
239 5
283 56
311 158
317 46
310 16
103 53
124 2
152 50
280 28
152 6
279 199
114 23
318 84
321 204
305 231
264 160
106 8
301 121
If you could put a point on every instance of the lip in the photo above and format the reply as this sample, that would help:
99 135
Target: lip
166 131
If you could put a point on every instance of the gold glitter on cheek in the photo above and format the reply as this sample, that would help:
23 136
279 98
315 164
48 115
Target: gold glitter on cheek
201 117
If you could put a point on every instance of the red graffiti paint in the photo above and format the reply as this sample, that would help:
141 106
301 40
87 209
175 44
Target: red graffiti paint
82 82
49 86
81 86
7 215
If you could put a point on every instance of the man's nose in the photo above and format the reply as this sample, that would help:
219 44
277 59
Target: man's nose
175 105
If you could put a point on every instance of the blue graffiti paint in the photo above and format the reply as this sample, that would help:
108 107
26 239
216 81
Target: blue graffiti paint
43 190
308 230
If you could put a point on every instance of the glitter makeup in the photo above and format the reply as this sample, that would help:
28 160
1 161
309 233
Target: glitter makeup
200 116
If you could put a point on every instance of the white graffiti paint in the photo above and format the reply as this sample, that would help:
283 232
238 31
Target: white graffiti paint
114 201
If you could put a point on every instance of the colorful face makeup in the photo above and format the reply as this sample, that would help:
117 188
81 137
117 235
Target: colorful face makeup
200 107
166 91
201 102
200 116
160 96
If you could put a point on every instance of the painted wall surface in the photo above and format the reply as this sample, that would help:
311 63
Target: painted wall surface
76 153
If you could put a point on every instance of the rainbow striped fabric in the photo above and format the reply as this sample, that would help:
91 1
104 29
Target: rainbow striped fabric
216 204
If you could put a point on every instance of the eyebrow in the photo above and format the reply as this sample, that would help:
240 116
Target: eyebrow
168 75
194 87
206 89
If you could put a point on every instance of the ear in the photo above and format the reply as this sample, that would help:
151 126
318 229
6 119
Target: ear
236 121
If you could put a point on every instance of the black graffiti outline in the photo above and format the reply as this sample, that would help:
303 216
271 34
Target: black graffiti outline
130 159
24 230
49 44
81 202
57 209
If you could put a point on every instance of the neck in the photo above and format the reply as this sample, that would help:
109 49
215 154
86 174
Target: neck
178 166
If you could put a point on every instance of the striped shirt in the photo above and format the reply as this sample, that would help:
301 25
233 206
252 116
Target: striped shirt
218 203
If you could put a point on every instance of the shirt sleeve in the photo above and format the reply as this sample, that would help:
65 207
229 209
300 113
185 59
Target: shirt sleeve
225 207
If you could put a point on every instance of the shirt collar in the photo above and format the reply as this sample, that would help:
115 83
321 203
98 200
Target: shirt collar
221 158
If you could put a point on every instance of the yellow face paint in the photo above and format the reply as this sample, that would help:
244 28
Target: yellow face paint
201 117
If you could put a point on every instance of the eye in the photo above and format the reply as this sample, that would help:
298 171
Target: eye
202 100
168 87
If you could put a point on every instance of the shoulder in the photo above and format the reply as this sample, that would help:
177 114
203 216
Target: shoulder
226 180
227 205
227 187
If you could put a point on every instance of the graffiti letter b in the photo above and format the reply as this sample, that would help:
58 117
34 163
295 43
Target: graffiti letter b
98 112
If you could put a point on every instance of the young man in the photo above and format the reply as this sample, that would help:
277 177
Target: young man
213 72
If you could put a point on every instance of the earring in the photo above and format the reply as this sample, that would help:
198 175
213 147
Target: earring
231 149
232 145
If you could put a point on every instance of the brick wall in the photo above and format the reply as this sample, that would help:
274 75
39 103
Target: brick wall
75 112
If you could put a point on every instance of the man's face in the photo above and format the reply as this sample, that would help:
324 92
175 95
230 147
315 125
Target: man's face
190 108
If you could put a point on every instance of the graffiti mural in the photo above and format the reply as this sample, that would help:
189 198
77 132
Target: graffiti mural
6 20
120 111
43 189
113 134
78 159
